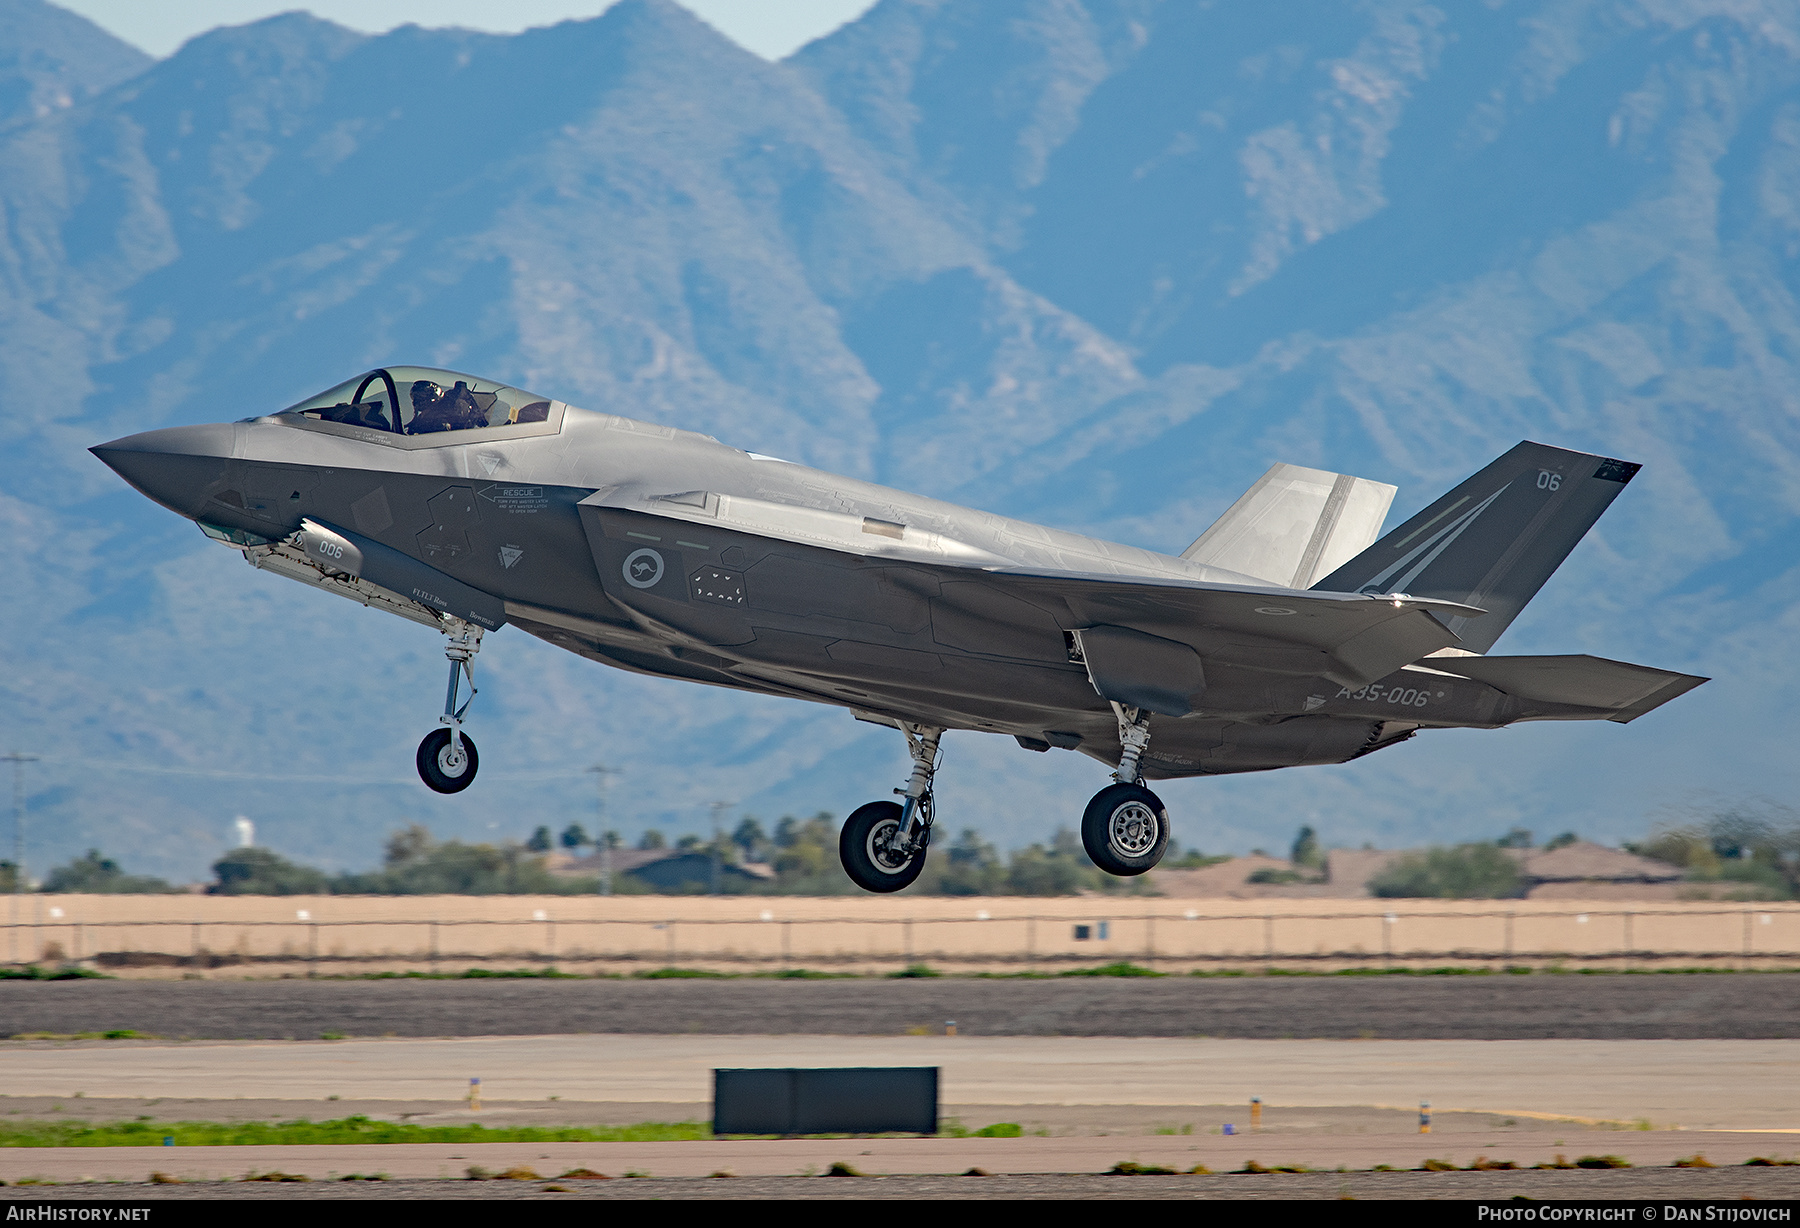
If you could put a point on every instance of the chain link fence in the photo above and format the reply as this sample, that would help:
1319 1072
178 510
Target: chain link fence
1163 939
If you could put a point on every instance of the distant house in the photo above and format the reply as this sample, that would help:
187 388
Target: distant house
680 871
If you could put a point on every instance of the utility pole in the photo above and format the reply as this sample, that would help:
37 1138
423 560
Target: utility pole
601 772
718 808
18 761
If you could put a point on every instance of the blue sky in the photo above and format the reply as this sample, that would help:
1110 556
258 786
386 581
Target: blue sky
770 28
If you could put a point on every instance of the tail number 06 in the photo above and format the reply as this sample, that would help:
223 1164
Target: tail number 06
1548 480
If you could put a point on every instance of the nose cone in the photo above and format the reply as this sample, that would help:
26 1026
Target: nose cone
179 467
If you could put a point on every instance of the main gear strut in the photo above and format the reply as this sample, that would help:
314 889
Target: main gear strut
920 807
1134 740
882 846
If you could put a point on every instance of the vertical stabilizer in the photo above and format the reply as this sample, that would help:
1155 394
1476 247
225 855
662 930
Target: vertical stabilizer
1294 526
1494 540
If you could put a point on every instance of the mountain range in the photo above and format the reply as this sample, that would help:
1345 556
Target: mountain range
1096 263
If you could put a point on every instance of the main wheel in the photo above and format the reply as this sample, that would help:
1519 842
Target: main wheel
1125 829
864 848
441 768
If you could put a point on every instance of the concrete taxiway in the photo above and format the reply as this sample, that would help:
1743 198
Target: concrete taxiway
1692 1084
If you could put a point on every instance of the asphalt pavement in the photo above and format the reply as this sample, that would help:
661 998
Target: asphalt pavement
1606 1006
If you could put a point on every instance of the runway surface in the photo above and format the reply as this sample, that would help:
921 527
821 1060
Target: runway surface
1517 1068
1695 1084
1495 1007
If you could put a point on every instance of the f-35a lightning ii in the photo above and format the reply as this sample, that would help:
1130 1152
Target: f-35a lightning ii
1286 635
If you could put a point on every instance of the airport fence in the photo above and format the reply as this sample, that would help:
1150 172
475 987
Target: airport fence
1156 934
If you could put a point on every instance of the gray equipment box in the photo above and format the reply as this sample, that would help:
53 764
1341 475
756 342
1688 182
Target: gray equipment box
840 1100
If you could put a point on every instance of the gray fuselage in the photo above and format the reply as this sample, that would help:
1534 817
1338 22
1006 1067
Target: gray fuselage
670 553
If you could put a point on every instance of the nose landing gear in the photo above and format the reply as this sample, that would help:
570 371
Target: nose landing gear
882 845
1125 828
447 760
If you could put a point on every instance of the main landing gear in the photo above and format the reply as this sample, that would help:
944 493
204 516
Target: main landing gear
447 759
883 844
1125 828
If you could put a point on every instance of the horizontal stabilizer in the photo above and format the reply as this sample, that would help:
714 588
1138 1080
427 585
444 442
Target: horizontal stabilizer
1294 526
1594 683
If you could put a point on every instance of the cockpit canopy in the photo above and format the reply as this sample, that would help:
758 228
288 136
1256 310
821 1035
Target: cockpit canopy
422 401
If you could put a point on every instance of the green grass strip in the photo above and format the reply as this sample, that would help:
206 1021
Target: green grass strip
35 973
344 1130
1122 968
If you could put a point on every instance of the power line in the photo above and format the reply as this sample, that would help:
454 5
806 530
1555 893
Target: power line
718 808
337 778
601 772
18 761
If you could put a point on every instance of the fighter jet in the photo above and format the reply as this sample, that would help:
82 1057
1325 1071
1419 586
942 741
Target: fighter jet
1290 633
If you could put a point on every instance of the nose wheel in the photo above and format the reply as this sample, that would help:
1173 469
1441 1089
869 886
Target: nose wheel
447 760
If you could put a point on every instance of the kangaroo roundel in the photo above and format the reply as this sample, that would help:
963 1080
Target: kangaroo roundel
643 568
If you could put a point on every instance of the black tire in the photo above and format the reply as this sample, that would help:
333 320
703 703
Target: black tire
860 849
435 768
1125 829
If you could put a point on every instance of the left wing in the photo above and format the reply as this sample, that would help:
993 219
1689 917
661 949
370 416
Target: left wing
1351 638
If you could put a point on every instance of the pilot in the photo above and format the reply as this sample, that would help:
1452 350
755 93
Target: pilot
437 410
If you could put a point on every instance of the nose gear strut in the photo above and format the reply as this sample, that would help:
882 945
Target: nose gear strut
447 760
